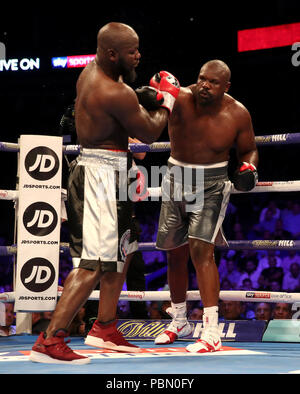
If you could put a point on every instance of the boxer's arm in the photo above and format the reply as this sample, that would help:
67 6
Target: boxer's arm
139 155
245 141
135 119
245 176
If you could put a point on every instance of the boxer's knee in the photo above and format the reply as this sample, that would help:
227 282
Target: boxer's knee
178 256
202 252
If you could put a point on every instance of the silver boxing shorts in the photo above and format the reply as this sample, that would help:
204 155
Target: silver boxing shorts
194 203
99 211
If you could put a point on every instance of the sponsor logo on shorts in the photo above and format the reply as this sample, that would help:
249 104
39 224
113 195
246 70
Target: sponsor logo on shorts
124 244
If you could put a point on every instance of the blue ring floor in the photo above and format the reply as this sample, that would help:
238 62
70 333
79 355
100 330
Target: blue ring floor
244 358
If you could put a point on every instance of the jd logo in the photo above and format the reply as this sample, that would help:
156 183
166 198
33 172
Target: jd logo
41 163
40 218
37 274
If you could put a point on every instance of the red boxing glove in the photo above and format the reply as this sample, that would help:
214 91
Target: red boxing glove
141 190
245 178
169 87
247 166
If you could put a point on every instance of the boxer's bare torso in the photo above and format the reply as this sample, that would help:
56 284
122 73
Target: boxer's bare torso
107 110
96 126
204 134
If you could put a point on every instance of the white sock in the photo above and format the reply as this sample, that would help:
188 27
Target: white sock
210 316
179 309
180 306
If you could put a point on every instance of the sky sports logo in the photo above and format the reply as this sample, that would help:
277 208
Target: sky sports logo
72 61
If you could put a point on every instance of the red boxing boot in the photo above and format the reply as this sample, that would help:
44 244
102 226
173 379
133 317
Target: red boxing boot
107 336
54 350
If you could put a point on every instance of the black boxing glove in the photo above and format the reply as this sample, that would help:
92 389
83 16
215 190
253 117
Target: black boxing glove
150 98
67 122
245 177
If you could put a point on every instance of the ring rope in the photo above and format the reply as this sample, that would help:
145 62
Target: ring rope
254 296
259 244
271 140
191 295
155 192
14 194
9 195
261 187
242 245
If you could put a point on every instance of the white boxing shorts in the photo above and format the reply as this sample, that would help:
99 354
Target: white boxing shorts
99 210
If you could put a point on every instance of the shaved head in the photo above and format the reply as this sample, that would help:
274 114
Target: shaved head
118 51
114 35
219 67
213 81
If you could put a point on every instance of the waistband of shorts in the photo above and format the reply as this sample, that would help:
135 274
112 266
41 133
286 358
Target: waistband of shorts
117 159
216 170
202 166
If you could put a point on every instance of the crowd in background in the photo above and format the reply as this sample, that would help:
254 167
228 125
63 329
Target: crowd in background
260 270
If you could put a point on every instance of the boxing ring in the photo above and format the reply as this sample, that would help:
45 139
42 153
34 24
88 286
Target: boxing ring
237 358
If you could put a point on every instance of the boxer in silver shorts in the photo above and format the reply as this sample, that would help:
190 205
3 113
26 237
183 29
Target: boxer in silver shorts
189 218
205 125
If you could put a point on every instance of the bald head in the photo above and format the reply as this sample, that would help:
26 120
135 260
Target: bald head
118 51
213 82
115 35
219 67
